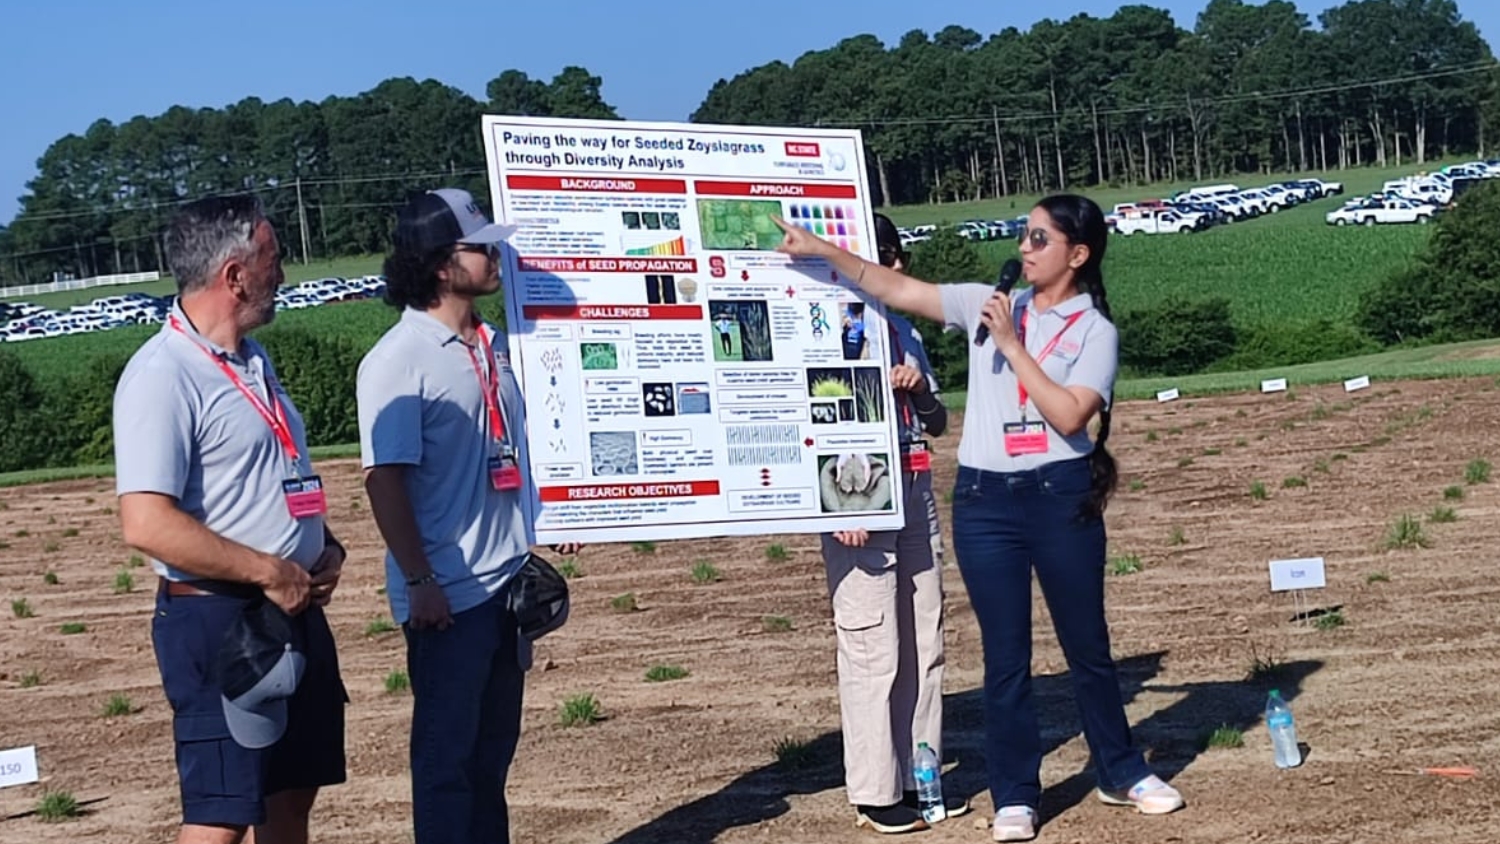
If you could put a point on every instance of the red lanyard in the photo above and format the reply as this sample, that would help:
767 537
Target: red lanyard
489 383
897 359
1046 350
274 415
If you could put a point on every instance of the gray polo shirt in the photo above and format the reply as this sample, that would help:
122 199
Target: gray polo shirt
421 406
183 429
1085 356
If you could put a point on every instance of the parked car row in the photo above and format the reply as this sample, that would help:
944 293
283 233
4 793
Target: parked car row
25 321
1418 198
1413 199
977 230
324 291
1199 208
33 322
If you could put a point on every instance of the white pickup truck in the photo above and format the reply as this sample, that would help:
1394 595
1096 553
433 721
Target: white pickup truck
1159 222
1390 210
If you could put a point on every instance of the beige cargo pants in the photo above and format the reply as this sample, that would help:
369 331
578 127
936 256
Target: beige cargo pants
888 612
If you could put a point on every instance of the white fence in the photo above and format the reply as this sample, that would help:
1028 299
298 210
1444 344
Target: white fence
77 284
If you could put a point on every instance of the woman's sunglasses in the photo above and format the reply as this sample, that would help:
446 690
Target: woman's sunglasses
1036 237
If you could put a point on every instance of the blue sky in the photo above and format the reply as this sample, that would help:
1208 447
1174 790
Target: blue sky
67 63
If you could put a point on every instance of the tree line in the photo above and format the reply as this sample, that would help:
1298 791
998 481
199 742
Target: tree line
1128 99
1134 98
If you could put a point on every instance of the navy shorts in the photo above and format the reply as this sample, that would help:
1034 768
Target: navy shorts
223 783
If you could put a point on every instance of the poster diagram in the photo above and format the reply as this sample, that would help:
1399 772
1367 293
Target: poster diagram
683 378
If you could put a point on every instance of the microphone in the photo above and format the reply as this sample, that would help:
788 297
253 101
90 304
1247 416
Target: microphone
1009 275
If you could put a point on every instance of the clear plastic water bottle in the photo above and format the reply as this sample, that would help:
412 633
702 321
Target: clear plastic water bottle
927 769
1283 731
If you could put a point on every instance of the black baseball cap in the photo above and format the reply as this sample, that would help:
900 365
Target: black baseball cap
261 662
539 598
441 218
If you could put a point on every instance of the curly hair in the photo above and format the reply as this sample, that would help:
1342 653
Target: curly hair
411 279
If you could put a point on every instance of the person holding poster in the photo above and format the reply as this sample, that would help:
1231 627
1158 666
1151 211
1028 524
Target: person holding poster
1031 491
887 593
442 440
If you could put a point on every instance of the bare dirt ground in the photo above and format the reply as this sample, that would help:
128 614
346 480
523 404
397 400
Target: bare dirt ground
1408 681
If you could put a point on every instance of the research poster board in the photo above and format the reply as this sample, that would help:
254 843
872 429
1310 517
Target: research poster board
682 378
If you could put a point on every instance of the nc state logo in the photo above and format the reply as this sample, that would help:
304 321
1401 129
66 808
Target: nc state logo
716 266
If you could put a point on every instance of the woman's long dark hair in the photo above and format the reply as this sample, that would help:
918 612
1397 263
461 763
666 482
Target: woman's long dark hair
1082 222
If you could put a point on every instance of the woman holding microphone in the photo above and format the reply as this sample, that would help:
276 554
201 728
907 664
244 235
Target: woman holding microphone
1031 491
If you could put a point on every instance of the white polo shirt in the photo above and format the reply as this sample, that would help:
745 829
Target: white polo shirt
183 429
1086 355
421 405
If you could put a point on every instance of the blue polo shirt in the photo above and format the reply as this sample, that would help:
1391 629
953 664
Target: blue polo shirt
184 430
421 405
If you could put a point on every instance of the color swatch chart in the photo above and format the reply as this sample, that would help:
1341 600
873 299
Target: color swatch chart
675 246
832 221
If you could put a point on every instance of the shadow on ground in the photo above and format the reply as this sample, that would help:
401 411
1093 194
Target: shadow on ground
1173 737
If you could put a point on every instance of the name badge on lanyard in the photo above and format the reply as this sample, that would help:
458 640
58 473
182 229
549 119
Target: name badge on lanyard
1026 436
305 497
504 470
505 473
917 458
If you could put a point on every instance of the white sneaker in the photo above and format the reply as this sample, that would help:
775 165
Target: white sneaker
1150 796
1015 823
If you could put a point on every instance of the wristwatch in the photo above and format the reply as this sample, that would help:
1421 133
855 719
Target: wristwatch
423 580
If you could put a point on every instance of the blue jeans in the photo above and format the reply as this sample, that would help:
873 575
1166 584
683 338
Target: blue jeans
1004 524
466 682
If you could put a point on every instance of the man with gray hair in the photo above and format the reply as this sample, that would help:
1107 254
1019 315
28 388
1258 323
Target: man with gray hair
215 485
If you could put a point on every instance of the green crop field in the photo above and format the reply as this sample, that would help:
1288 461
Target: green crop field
1285 267
1270 269
1288 266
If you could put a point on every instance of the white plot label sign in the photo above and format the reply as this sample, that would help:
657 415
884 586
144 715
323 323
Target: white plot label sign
18 766
1304 573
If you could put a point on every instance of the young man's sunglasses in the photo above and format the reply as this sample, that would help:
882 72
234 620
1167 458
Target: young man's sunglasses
889 255
490 249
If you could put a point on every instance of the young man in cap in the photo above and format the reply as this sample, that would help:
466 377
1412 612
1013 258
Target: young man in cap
442 437
216 487
887 591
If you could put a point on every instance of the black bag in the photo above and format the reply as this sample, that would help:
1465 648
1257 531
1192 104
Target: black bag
539 598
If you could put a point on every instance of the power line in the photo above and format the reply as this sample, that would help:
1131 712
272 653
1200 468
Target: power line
279 185
1173 104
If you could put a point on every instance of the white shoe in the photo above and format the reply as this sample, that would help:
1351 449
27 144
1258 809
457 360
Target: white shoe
1150 796
1015 823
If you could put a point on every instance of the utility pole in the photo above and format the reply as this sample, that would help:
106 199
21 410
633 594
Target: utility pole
999 152
302 219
